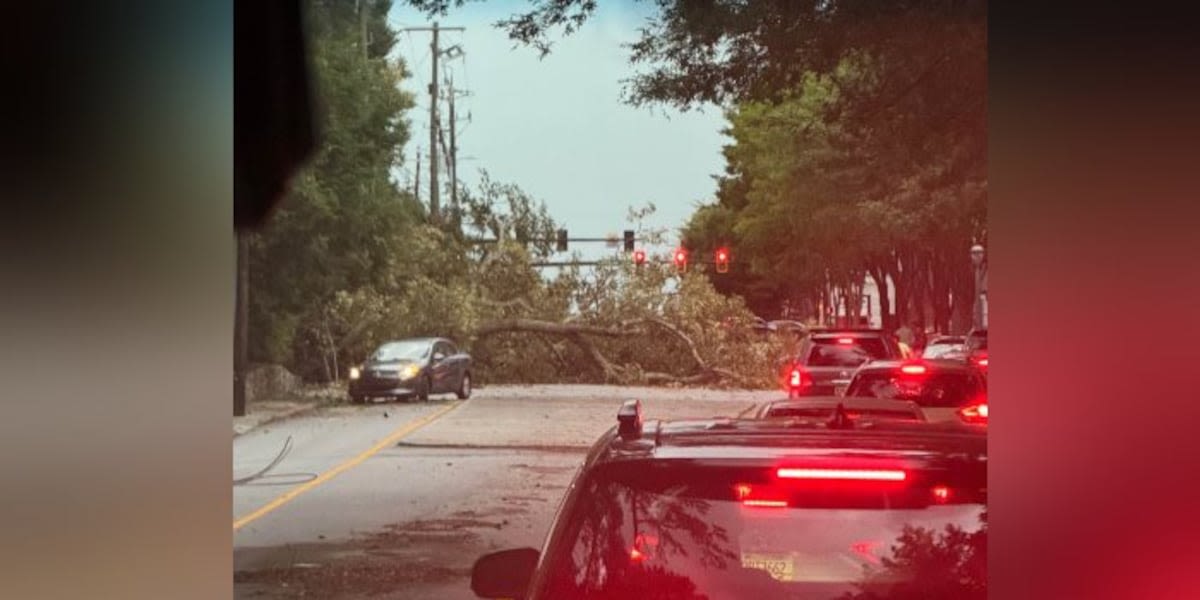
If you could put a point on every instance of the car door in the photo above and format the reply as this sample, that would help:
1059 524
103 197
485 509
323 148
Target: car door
457 365
441 369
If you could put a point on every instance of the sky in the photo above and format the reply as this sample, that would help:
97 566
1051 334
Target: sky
557 128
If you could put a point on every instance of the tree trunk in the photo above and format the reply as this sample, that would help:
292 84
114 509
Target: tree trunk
963 288
885 303
940 294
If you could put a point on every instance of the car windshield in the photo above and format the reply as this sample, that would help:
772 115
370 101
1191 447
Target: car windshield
406 350
669 539
944 389
832 353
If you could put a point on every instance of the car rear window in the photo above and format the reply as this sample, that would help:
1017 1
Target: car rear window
944 389
668 539
938 350
828 352
825 413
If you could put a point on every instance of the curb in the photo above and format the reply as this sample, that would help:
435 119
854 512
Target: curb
295 412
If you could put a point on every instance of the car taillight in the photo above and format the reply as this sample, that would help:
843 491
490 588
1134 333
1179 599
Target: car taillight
941 493
797 378
975 413
842 474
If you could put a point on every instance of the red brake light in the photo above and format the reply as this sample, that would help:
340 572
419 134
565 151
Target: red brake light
845 340
636 555
846 474
913 369
975 413
941 493
982 362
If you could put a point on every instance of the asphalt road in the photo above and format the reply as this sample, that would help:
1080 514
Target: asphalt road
399 506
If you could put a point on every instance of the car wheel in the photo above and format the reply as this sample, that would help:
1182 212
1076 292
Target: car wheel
464 387
423 390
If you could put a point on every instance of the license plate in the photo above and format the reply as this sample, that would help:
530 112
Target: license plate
780 566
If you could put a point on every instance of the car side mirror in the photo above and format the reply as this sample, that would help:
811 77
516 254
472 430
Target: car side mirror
438 357
504 574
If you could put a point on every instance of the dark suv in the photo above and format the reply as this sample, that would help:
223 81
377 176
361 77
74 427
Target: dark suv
828 359
839 508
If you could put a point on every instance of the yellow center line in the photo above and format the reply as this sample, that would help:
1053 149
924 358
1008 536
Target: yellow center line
390 440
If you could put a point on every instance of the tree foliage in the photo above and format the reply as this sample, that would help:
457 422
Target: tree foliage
337 228
859 138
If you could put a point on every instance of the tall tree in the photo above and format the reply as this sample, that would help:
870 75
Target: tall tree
343 221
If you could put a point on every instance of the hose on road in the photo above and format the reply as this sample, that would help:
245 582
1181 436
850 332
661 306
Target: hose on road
287 447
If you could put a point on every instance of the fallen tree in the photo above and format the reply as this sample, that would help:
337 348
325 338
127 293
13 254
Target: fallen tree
580 334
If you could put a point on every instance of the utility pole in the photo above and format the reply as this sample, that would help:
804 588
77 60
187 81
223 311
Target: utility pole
453 150
435 52
417 179
362 25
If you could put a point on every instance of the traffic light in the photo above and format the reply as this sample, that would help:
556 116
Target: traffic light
561 243
681 260
639 258
722 259
629 240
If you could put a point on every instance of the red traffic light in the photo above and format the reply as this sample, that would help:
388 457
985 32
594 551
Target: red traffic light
722 260
681 259
639 257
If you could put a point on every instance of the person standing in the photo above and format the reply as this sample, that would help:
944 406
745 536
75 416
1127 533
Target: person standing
904 337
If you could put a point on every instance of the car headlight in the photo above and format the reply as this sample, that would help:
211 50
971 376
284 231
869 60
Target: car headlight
354 373
410 371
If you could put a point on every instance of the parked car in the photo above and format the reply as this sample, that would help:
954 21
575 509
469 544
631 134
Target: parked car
413 368
828 358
